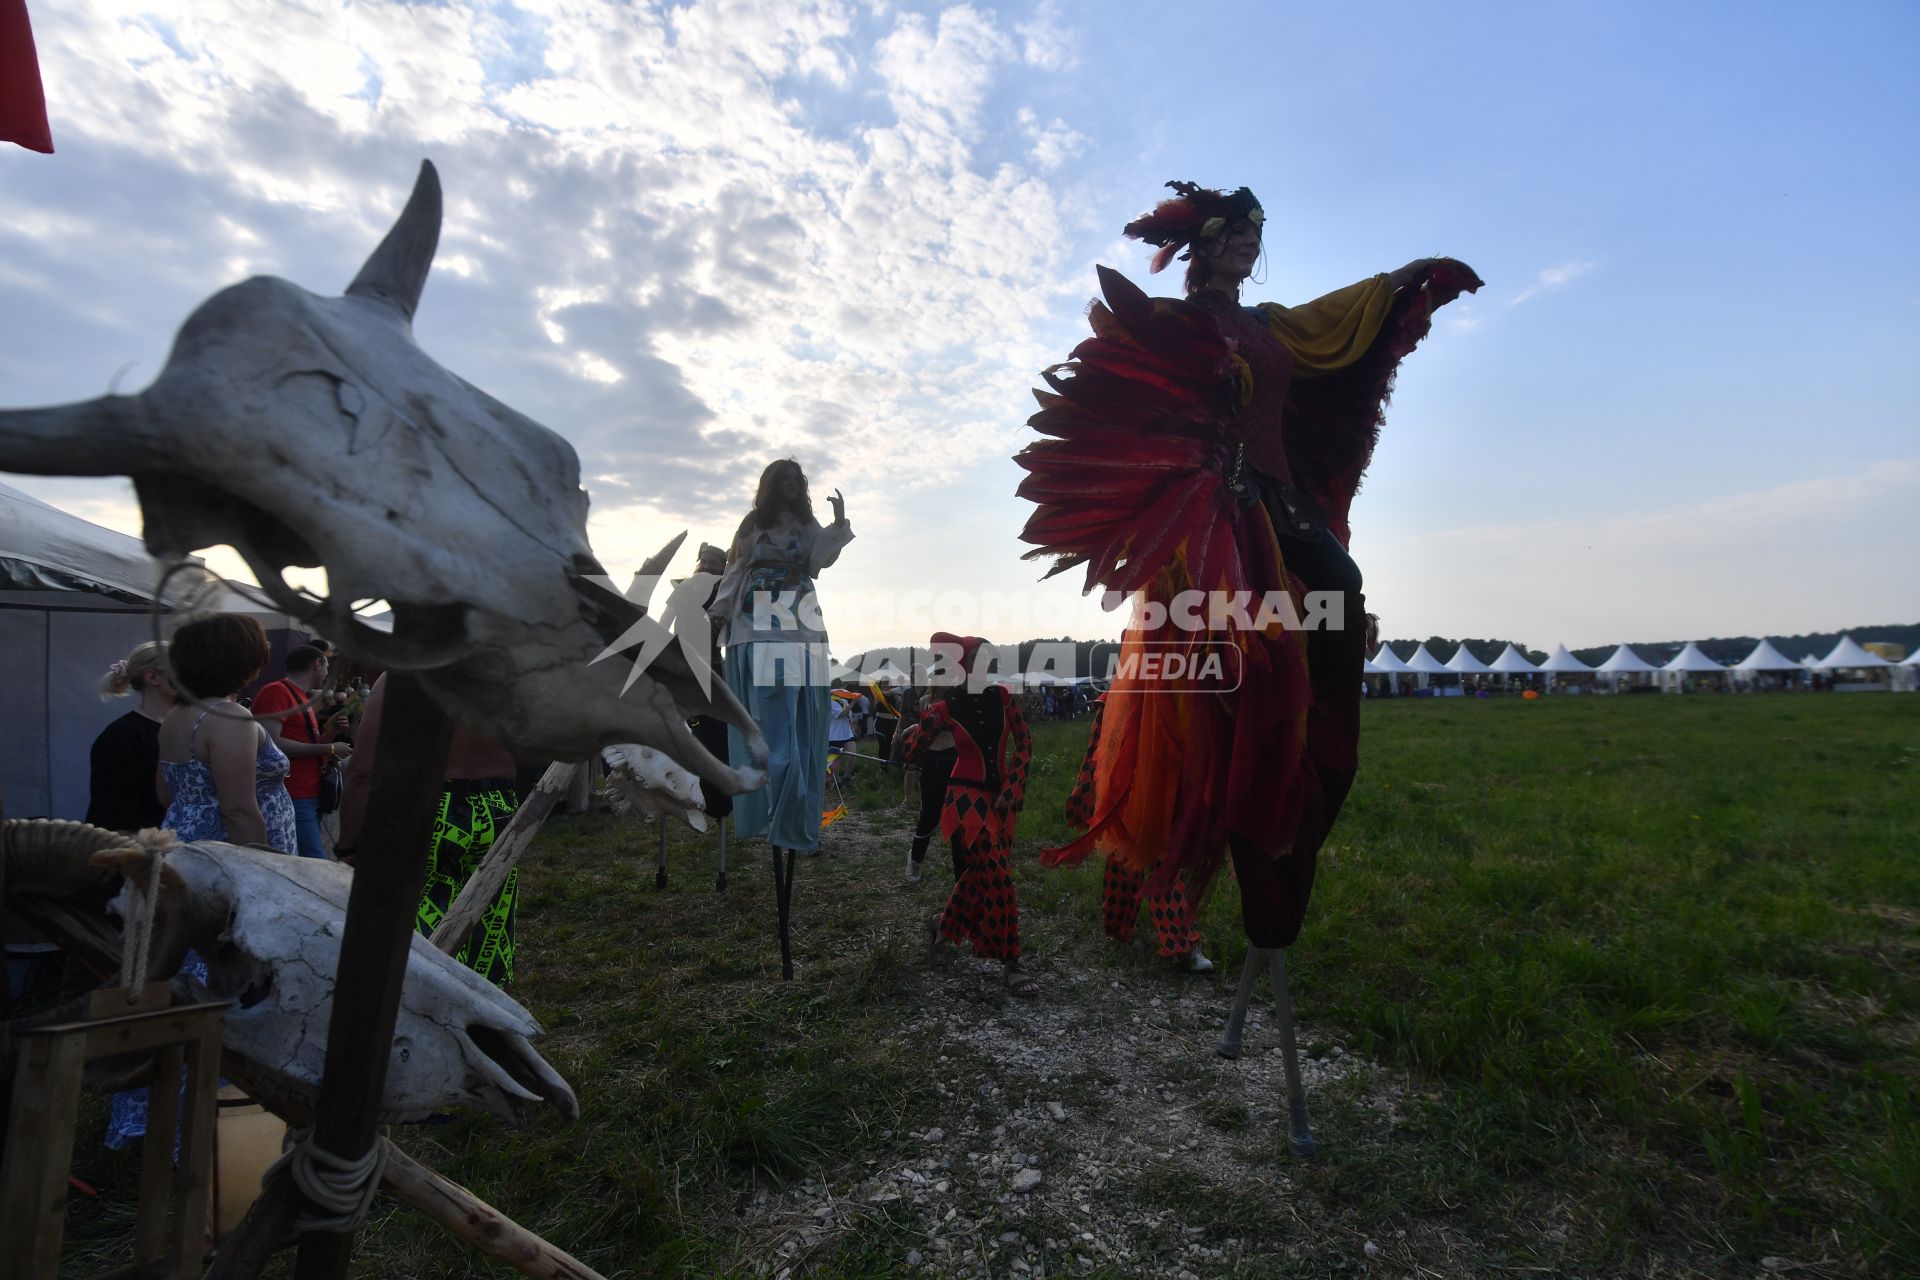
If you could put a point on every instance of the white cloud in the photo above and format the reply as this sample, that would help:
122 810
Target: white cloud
1552 279
937 76
649 242
1052 144
1047 40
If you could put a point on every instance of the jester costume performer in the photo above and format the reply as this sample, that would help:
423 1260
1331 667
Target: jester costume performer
985 792
1199 446
1123 886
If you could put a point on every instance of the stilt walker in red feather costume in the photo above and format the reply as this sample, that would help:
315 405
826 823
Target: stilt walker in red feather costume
1201 455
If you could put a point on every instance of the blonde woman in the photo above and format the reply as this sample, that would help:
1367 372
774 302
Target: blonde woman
125 759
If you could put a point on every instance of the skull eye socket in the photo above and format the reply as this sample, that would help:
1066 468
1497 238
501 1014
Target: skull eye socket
234 975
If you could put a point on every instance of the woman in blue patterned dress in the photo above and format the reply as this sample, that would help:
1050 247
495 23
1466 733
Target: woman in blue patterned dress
220 773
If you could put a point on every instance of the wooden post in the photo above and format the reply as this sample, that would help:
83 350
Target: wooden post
171 1227
479 1224
388 877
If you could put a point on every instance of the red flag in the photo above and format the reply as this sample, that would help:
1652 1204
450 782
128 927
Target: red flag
23 104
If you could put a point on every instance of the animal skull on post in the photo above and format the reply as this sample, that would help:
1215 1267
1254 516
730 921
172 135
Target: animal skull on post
412 486
268 927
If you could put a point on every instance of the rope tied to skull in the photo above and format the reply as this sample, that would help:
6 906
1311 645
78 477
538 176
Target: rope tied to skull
138 944
343 1188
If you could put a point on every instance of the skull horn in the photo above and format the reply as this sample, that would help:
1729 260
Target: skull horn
397 271
89 438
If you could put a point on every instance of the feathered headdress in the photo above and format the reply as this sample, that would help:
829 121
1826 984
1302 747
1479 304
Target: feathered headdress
1195 213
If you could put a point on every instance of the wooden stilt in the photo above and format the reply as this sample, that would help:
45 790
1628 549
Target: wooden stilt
783 864
1230 1039
1299 1137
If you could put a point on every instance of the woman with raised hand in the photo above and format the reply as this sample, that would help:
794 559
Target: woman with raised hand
777 664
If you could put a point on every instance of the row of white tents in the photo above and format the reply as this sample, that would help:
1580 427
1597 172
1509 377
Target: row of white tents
1847 655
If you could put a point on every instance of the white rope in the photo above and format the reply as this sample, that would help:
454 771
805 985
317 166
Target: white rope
344 1189
138 943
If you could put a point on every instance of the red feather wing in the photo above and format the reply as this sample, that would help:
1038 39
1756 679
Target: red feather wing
1131 471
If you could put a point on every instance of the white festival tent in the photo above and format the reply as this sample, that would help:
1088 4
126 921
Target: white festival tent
1464 663
1512 662
1847 656
1766 658
1369 667
74 598
1690 660
1424 666
1562 663
1624 661
1387 662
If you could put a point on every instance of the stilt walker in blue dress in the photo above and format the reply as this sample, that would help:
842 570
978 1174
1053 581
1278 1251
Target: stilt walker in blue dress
777 666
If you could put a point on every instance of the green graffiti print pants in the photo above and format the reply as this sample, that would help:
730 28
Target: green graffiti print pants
472 813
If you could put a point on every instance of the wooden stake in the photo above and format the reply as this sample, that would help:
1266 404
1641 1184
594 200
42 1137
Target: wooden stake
388 877
473 1220
488 878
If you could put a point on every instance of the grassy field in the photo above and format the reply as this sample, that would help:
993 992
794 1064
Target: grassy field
1590 987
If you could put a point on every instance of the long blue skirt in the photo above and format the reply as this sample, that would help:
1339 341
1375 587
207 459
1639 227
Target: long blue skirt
784 688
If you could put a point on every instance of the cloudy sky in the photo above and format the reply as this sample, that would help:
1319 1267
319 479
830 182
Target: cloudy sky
695 237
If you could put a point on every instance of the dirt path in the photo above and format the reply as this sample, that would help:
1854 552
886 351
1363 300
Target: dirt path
1079 1130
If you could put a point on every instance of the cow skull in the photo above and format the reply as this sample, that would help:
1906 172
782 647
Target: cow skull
304 430
642 783
269 926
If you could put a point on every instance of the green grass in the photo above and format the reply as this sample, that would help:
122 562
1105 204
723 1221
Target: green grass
1648 970
1654 956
